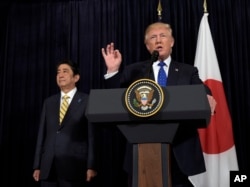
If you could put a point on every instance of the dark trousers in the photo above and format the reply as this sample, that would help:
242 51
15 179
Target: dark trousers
62 183
55 181
178 178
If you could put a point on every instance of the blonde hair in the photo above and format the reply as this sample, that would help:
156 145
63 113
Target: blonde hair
154 25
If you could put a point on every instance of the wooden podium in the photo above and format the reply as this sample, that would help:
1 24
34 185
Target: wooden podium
151 137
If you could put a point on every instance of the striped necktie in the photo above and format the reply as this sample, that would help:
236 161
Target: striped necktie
64 107
162 77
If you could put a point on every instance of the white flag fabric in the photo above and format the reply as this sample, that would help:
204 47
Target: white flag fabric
217 139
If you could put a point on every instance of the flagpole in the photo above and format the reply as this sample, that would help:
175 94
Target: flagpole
205 6
159 10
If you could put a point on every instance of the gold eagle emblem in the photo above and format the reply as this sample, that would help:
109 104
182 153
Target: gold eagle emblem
144 97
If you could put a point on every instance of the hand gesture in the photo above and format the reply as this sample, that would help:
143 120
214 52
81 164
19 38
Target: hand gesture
112 58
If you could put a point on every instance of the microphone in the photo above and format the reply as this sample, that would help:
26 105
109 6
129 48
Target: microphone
154 57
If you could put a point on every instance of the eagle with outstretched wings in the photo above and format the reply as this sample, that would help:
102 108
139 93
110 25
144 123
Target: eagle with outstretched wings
144 97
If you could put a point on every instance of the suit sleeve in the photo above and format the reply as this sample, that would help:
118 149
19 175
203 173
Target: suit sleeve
196 80
40 140
92 146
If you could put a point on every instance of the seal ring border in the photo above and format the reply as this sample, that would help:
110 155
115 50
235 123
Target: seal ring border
160 103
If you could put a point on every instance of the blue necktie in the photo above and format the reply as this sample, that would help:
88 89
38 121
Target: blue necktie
162 77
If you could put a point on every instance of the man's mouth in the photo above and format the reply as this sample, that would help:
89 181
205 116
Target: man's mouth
158 48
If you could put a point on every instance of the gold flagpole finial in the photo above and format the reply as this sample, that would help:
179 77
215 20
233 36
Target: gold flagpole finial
159 10
205 6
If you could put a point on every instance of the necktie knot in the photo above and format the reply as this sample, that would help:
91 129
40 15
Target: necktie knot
161 64
65 97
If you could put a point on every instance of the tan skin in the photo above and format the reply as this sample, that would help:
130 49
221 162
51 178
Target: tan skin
158 36
66 81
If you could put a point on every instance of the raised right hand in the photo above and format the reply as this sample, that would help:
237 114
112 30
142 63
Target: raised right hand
112 58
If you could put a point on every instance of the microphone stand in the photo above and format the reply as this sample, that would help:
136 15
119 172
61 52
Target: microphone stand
154 57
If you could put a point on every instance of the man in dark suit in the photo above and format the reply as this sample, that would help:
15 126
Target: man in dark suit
187 156
65 153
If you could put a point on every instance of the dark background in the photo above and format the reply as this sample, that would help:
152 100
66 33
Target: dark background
35 35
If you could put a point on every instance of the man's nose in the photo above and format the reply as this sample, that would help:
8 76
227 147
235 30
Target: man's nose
158 39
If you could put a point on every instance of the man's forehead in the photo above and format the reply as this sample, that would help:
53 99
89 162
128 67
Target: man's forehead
64 67
159 30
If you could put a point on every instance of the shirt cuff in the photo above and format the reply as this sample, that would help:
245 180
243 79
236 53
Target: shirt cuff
108 75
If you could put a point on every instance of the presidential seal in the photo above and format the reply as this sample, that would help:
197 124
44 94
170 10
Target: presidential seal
144 98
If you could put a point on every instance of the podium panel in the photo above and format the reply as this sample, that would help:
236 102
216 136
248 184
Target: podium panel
149 133
186 102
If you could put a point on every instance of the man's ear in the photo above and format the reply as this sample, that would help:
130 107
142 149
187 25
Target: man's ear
147 47
77 77
172 43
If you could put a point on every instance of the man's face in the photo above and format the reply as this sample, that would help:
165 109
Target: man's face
159 38
65 77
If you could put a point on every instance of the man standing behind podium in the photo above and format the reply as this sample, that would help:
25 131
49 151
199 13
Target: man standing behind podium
187 157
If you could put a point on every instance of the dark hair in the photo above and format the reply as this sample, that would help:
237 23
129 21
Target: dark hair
72 65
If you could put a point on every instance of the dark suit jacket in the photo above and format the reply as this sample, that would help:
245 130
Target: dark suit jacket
72 143
186 146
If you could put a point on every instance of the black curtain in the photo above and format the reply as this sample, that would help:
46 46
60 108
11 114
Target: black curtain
35 35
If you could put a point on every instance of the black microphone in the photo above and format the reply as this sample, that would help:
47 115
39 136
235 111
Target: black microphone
154 57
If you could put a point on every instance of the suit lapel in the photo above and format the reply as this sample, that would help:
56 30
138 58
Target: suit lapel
75 103
147 70
173 73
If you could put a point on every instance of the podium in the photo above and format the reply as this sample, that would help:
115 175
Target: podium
152 136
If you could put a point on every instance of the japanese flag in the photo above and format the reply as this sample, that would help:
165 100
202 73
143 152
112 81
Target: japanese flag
217 139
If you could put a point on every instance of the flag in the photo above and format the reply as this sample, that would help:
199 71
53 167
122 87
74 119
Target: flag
217 139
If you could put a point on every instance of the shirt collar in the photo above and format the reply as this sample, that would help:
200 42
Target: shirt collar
167 61
71 93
